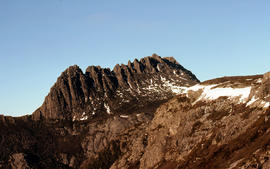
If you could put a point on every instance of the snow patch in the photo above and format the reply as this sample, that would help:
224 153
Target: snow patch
198 87
183 78
130 85
158 67
266 105
163 79
151 88
259 80
124 116
252 100
84 117
126 101
211 93
107 107
73 118
129 90
120 94
174 88
138 90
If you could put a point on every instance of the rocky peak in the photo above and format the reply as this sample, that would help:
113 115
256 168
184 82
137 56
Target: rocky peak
77 95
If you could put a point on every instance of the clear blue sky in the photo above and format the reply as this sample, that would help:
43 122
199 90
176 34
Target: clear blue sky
40 38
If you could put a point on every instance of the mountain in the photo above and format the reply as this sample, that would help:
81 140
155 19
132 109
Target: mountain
148 114
102 92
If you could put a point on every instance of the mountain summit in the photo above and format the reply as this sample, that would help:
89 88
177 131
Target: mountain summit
101 91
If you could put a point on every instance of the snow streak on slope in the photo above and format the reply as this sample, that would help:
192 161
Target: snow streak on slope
107 107
210 92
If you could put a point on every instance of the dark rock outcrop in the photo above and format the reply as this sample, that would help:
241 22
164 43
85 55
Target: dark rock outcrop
101 91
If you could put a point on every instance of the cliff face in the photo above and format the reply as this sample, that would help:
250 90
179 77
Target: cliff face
102 92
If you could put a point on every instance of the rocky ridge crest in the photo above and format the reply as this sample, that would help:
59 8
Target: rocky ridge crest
101 92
